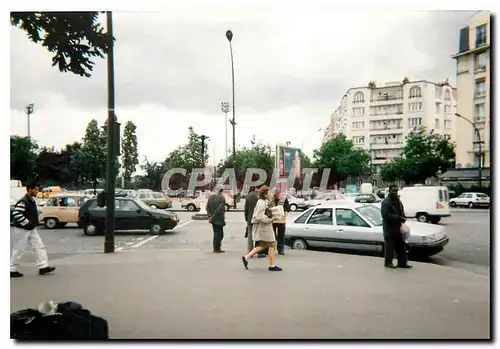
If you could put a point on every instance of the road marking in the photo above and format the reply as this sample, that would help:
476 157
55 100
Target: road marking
151 238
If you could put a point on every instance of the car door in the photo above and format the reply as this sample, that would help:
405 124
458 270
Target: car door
65 209
460 200
319 229
354 233
129 216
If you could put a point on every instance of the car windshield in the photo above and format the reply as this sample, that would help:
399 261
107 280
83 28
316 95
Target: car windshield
372 213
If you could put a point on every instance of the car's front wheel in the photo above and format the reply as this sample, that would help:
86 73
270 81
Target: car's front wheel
191 207
423 217
453 204
299 244
293 207
153 207
156 228
51 223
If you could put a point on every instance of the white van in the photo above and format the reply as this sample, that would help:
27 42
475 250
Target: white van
366 188
427 204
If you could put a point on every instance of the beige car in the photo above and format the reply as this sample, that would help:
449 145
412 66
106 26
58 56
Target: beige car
61 209
195 204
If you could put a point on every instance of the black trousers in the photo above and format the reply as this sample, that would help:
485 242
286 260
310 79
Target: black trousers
394 244
218 236
279 232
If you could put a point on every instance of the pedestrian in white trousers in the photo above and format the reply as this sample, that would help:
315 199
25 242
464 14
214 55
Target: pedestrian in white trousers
26 235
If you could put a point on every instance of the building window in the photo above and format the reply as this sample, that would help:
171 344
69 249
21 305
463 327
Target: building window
447 95
479 112
414 122
415 106
358 125
438 109
480 88
447 109
481 61
359 140
359 97
415 92
437 124
447 124
358 111
481 35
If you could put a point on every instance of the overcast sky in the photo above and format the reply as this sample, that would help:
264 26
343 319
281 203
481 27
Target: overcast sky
172 70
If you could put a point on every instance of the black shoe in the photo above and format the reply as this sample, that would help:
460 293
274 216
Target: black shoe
245 262
16 274
390 266
275 268
219 251
407 266
281 253
46 270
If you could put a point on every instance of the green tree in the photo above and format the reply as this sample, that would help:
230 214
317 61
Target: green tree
188 156
154 174
94 152
424 156
75 38
342 158
22 158
130 157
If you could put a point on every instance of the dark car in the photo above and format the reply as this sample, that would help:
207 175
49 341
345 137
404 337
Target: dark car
130 214
367 198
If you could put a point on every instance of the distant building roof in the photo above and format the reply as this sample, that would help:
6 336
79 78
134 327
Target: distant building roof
465 174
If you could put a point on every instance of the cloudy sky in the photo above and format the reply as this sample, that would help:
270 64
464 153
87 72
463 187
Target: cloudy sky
173 70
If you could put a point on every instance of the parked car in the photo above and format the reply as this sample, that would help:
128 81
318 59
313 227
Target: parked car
155 199
367 198
471 200
130 214
426 203
295 202
47 192
354 226
323 198
61 209
350 196
195 204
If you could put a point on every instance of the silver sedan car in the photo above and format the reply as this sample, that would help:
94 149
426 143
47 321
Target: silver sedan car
355 226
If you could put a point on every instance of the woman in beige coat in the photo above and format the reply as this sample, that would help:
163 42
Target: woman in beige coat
262 230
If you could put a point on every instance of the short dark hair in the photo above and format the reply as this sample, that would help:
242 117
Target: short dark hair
32 185
393 186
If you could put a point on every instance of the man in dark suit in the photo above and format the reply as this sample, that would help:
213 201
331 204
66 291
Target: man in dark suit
216 210
393 216
250 202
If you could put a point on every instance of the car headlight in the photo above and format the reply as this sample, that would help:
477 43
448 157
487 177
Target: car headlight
429 238
440 236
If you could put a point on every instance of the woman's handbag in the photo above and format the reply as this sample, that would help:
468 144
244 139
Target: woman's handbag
405 231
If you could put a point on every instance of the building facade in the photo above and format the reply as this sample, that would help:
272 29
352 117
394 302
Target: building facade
473 92
378 119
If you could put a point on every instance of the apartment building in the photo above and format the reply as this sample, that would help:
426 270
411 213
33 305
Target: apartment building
473 92
378 118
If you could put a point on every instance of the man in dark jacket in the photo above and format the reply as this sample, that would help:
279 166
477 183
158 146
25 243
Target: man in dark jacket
25 233
279 223
393 216
250 202
216 210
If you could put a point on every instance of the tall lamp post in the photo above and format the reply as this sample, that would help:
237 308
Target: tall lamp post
29 110
479 142
202 214
225 109
109 238
229 36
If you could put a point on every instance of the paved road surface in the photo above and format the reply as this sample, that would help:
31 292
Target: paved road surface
469 246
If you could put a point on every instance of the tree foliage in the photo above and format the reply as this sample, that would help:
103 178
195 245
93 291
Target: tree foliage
130 156
94 151
188 156
425 155
342 158
22 158
74 38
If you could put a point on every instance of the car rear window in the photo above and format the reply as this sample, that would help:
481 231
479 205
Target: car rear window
441 195
481 195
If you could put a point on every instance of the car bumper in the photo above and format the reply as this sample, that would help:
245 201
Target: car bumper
482 204
429 249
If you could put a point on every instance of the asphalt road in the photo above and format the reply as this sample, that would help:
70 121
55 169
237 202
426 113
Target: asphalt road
468 249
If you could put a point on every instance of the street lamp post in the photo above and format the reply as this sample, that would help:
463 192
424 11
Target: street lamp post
229 36
225 109
479 142
109 239
202 214
29 110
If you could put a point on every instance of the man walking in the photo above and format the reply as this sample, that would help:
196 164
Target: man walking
250 202
216 210
393 216
25 233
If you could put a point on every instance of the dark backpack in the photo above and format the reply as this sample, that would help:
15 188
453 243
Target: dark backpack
71 322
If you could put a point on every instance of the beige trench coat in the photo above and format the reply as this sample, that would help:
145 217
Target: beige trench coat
262 229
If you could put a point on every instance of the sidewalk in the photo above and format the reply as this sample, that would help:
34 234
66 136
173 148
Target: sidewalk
196 294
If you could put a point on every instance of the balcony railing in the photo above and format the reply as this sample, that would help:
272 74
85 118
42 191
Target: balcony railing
387 113
386 98
479 93
479 119
400 127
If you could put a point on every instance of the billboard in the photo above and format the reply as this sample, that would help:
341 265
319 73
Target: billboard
288 161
